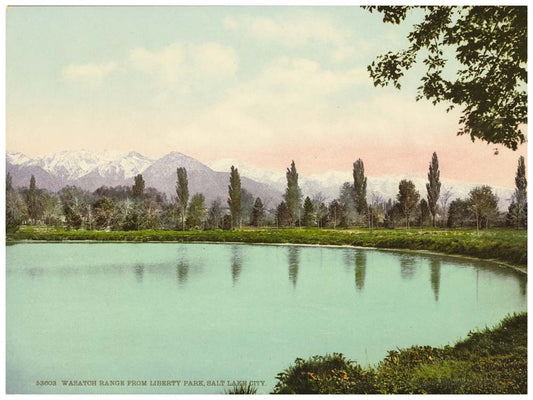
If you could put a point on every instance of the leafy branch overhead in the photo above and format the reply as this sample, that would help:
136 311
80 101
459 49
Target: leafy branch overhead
490 84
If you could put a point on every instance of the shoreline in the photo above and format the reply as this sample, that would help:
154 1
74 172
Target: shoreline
498 263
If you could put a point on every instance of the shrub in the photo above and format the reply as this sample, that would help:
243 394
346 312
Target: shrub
332 374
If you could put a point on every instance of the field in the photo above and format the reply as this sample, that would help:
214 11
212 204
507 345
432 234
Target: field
507 246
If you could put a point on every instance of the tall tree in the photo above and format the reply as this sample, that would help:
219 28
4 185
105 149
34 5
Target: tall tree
433 186
484 204
517 214
309 211
182 193
490 83
32 200
258 213
234 197
359 185
408 198
138 187
293 194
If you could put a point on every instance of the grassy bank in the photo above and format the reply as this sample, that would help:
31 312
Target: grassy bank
505 245
491 361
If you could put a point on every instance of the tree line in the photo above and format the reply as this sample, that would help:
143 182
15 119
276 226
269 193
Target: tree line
137 207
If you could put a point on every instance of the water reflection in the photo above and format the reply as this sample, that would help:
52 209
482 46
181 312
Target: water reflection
434 265
360 270
182 272
236 262
139 272
182 269
294 261
348 258
33 272
407 266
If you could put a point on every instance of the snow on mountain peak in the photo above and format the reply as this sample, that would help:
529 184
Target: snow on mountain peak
16 158
74 164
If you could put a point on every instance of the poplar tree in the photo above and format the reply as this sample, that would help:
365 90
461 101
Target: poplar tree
182 193
32 200
234 197
359 186
517 214
433 187
293 194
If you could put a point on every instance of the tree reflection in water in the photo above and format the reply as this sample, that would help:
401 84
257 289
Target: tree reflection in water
236 263
434 266
294 260
407 266
360 270
139 272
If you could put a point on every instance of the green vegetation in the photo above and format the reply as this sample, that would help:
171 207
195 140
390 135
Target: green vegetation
484 49
242 389
491 361
505 245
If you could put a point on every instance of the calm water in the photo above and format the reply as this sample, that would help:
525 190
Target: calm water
213 312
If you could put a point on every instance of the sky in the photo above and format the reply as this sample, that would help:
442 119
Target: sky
262 85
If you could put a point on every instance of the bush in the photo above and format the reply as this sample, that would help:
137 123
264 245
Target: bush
332 374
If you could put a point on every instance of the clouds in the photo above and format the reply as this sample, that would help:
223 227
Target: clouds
178 61
166 66
90 74
286 101
289 31
297 31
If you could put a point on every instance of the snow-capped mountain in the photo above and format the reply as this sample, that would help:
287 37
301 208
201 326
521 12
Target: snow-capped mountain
90 170
17 158
72 165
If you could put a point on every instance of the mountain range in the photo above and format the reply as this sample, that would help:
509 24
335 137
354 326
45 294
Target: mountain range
90 170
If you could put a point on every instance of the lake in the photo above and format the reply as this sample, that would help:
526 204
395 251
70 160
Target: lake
138 318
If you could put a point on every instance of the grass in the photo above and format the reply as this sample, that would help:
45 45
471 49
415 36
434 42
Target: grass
504 245
490 361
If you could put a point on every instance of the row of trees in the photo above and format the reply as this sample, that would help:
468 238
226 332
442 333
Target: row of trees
479 209
138 207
